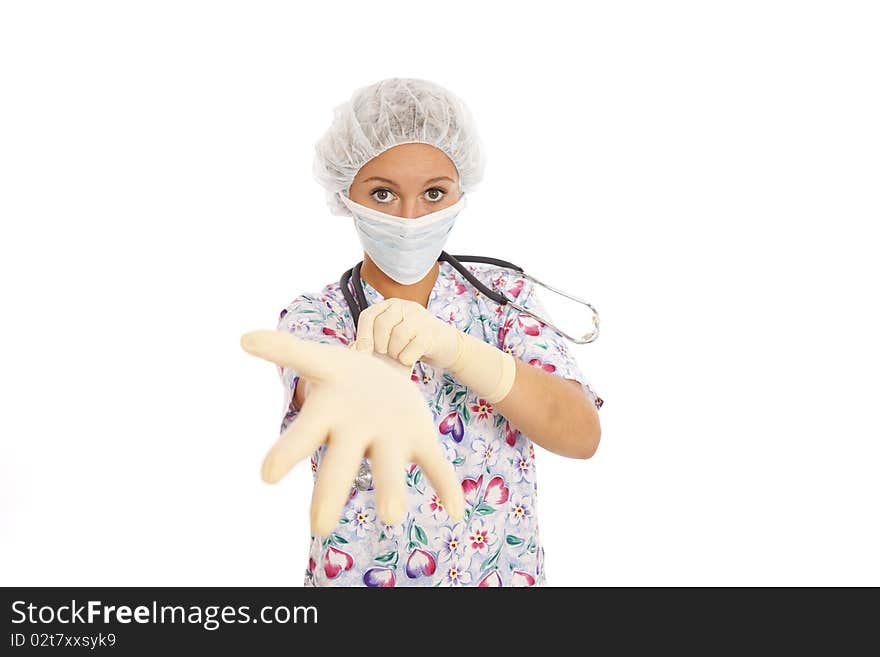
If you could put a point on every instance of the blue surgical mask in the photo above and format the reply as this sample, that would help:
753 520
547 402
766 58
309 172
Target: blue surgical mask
405 249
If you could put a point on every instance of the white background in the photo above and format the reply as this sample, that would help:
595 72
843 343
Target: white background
706 174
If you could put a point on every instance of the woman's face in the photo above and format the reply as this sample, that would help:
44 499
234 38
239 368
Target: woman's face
408 180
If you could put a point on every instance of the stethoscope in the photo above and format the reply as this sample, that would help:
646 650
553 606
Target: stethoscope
357 303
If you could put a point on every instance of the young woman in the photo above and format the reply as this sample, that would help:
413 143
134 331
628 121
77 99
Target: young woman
406 150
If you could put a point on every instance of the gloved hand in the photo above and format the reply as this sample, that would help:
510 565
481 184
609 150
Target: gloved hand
407 331
360 404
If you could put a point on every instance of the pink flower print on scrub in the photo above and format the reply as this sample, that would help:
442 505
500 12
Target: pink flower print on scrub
379 577
496 492
420 564
336 562
481 536
434 508
482 409
453 425
521 578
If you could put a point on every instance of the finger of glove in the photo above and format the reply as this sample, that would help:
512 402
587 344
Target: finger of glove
312 360
401 336
365 324
417 347
306 433
339 467
443 478
389 480
383 326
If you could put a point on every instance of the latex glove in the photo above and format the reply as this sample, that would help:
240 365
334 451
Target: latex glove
407 331
360 404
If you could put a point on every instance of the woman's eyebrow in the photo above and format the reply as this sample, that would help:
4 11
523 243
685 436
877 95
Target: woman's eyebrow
391 182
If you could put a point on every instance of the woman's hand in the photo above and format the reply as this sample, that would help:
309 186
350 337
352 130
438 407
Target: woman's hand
360 404
407 332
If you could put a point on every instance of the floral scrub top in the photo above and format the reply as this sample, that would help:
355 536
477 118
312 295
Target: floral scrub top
497 543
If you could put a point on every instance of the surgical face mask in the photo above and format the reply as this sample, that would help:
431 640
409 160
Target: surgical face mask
405 249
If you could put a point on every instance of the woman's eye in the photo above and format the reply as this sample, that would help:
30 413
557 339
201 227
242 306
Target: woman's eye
382 195
432 198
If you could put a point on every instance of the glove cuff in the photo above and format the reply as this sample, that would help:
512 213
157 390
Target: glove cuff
485 369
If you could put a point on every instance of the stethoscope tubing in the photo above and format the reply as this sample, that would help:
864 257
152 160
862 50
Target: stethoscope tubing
357 302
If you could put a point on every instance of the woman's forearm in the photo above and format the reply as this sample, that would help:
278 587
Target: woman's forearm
552 411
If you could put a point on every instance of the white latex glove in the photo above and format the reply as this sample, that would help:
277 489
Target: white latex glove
360 404
407 331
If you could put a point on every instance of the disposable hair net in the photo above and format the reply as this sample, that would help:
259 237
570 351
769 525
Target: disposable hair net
392 112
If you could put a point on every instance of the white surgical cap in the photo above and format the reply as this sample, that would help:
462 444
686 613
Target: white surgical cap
392 112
